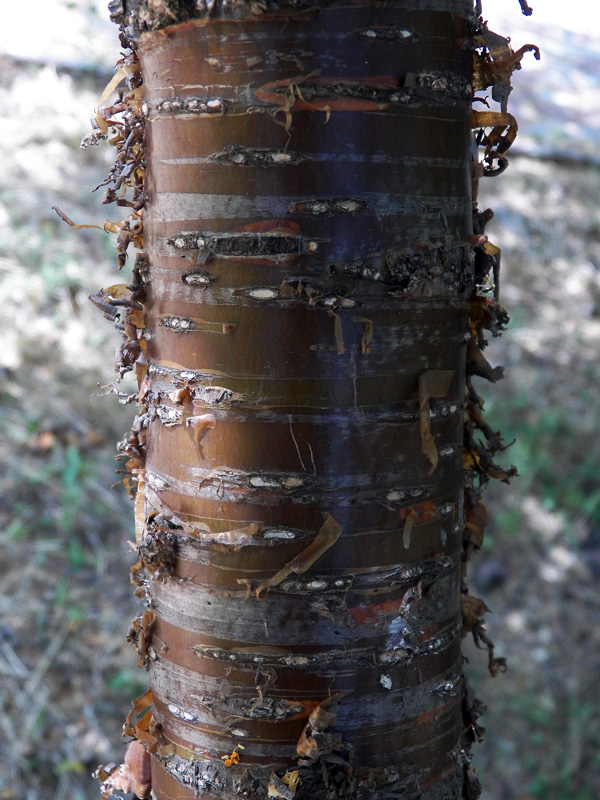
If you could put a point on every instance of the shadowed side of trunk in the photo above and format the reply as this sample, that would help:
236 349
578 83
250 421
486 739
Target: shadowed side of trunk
307 238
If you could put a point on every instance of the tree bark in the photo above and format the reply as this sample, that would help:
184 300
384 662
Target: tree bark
307 272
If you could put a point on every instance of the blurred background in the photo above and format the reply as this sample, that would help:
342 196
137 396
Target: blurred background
66 674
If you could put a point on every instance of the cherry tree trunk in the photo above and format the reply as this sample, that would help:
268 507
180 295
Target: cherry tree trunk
308 269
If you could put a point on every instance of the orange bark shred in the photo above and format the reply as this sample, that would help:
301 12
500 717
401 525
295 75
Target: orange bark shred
328 535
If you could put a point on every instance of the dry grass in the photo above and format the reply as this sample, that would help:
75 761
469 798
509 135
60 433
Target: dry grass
64 594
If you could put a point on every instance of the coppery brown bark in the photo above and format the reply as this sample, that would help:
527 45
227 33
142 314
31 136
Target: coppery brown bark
307 276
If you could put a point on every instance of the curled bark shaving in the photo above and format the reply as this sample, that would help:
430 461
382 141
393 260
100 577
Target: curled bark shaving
494 62
435 383
327 536
131 777
140 636
316 739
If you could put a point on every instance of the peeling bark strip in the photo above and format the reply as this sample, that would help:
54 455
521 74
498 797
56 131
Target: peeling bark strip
302 324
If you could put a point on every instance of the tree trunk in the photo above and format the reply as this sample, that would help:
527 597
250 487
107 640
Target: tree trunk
307 271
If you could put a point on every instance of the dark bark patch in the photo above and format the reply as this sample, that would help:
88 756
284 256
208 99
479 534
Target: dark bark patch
432 272
328 206
388 33
308 93
237 156
273 244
